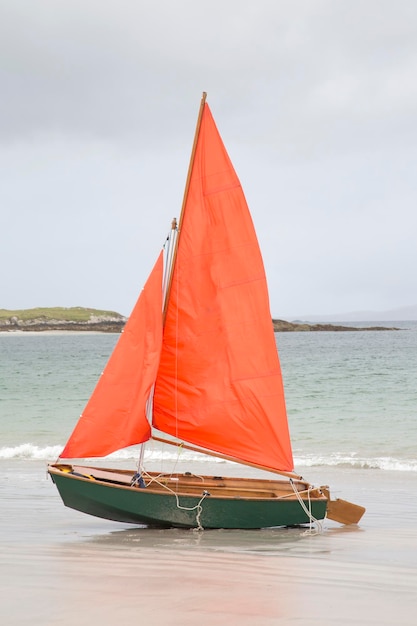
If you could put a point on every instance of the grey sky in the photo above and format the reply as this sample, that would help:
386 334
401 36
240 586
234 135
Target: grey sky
316 101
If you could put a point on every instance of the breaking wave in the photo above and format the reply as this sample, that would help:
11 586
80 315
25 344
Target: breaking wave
28 451
355 462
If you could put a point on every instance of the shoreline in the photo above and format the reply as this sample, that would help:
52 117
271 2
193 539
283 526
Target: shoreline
83 329
54 332
284 326
116 327
81 319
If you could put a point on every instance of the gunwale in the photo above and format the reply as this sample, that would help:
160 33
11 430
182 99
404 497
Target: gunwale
187 484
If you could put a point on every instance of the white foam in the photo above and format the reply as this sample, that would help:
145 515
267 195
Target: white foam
30 451
48 453
354 461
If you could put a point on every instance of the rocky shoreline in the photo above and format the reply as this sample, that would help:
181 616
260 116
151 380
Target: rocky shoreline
116 324
281 326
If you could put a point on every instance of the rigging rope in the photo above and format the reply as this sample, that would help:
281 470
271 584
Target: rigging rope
307 511
197 507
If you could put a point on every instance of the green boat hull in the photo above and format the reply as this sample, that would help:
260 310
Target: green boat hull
123 503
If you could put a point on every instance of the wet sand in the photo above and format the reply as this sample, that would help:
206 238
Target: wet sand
61 567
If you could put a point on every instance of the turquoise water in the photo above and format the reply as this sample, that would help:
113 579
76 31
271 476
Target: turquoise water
45 380
351 396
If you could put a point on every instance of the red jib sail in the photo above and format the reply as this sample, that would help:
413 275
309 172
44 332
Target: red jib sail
219 383
115 416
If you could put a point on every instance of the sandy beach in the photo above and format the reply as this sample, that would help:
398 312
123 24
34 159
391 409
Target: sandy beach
61 567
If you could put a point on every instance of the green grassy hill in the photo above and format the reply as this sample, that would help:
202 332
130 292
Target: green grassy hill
72 314
61 318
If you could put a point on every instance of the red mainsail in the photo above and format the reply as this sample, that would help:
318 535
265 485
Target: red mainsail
219 382
115 416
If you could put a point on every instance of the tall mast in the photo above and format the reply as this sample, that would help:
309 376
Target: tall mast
184 202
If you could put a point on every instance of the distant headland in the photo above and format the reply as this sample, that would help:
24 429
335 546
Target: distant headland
281 326
77 318
82 319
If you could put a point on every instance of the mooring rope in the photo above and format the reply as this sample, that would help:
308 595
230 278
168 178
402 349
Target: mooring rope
307 511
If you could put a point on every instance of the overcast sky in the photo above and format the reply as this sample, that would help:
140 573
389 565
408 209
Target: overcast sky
316 101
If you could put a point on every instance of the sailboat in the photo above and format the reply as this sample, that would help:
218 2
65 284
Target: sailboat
197 367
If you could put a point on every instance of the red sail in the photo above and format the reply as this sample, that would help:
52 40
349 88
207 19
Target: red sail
115 416
219 383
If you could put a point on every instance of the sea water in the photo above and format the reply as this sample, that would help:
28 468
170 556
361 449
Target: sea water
351 396
352 408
